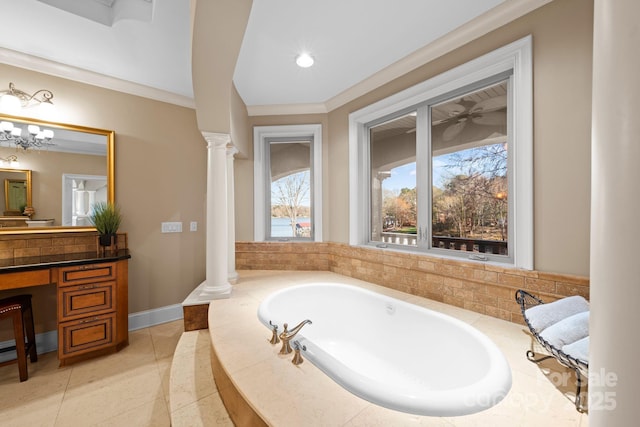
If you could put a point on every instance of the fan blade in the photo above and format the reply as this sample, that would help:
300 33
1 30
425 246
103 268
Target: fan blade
491 104
446 112
493 119
453 130
452 110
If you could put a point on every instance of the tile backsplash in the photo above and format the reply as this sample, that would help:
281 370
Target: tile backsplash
39 244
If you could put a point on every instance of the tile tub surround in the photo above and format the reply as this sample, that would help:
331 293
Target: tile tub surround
288 395
481 287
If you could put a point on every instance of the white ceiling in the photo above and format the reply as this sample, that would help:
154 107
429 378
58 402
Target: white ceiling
154 53
351 40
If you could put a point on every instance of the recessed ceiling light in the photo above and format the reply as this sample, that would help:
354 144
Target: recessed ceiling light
304 60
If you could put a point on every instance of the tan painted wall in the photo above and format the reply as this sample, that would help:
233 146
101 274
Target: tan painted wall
160 176
562 52
218 29
241 136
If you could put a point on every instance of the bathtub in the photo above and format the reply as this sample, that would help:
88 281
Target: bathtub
390 352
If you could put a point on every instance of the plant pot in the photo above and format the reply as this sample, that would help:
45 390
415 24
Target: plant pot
105 239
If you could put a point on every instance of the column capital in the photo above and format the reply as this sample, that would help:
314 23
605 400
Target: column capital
382 175
216 140
231 151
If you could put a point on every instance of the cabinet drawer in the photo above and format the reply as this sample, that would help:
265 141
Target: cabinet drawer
89 334
24 279
69 276
86 300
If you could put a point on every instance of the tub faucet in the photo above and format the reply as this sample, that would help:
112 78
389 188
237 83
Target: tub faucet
287 335
297 357
274 334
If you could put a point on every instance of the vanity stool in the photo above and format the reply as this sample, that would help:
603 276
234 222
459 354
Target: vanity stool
18 309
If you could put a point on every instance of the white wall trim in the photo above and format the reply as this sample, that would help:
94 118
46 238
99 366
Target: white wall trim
260 134
48 341
286 109
57 69
147 318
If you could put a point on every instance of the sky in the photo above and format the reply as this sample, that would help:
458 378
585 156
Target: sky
405 176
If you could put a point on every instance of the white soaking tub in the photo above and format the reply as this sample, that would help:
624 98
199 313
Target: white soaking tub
390 352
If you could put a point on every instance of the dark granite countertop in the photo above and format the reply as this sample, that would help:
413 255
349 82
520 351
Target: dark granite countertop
61 260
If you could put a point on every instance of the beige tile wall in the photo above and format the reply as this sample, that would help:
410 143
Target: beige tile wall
480 287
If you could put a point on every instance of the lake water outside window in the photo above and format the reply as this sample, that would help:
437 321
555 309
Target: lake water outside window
291 189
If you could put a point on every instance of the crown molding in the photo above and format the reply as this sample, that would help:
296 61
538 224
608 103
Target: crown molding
285 109
57 69
495 18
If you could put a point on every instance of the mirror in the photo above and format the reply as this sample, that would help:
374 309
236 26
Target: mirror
60 179
16 191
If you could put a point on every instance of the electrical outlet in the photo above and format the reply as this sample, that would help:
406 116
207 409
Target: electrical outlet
172 227
193 226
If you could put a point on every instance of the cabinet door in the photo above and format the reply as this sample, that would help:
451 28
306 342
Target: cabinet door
89 334
76 275
89 299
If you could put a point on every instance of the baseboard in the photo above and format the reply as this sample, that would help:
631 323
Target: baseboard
145 319
48 341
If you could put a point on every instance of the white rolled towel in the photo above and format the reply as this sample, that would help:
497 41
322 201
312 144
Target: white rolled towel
578 349
567 331
544 315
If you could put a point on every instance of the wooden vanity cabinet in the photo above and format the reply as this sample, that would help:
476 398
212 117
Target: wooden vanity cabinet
92 309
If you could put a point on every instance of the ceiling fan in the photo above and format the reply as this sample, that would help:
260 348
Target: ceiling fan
460 113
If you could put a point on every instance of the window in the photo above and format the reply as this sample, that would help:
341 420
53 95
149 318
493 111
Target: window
445 167
287 183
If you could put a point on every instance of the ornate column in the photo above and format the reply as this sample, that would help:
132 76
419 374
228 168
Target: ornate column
217 284
613 367
231 220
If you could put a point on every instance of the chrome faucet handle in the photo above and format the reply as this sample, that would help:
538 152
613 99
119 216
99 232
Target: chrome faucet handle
274 333
297 357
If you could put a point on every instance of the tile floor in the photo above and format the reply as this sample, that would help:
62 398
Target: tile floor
131 388
128 388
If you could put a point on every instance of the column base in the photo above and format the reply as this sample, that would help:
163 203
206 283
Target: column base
204 294
195 307
233 277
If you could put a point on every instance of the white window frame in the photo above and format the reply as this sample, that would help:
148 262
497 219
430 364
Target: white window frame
515 57
261 137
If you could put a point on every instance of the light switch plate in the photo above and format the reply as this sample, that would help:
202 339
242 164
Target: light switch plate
172 227
193 226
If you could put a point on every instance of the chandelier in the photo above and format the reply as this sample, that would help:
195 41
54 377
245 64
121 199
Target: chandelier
35 137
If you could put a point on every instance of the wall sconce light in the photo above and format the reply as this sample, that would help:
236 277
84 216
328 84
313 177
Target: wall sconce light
14 99
35 137
11 160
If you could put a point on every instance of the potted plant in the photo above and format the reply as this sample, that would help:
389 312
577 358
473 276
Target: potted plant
106 218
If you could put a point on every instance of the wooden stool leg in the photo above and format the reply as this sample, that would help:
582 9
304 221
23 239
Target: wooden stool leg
31 334
18 329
